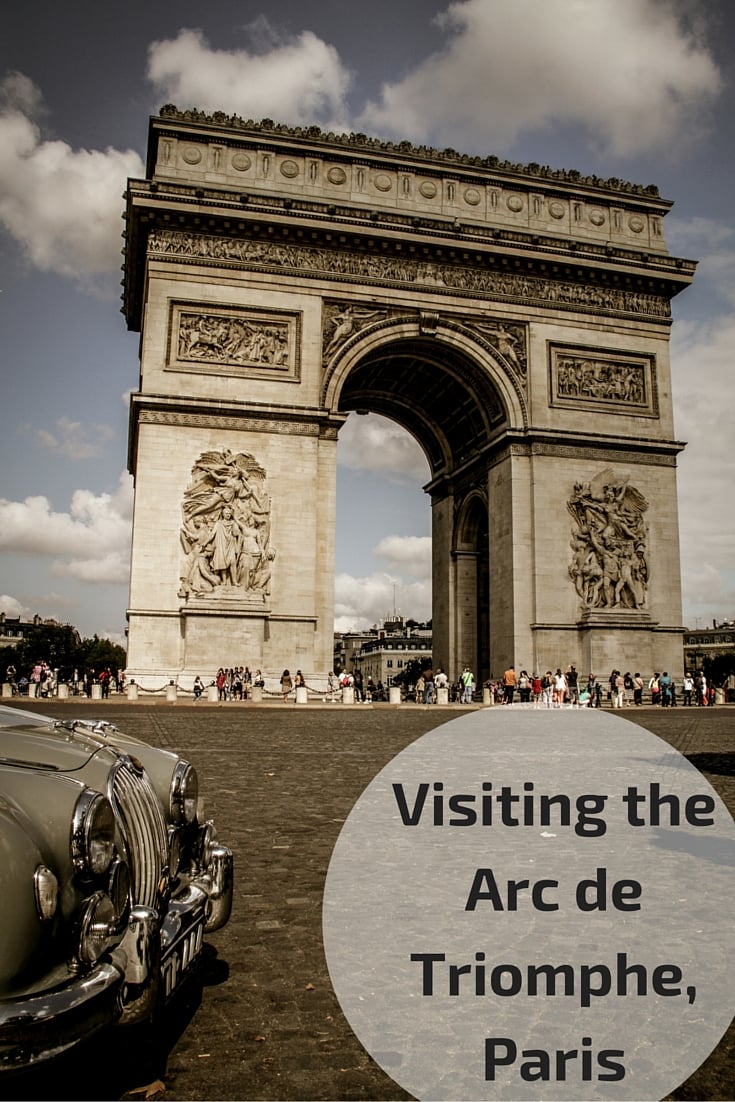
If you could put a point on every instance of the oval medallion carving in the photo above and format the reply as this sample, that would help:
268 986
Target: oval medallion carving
597 218
241 162
383 182
428 189
192 155
557 210
336 175
514 203
472 196
289 169
636 224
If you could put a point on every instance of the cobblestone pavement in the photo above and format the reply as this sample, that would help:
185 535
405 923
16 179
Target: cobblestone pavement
279 782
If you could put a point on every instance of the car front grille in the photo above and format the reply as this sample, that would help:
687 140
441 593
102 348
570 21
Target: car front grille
144 829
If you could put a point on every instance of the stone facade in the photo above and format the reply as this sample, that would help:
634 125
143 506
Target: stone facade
515 319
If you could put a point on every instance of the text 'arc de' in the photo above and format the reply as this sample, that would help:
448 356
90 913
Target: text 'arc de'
515 319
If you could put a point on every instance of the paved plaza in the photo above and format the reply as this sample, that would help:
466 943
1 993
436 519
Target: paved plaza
279 781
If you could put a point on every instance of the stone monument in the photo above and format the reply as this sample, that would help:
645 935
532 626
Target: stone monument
514 318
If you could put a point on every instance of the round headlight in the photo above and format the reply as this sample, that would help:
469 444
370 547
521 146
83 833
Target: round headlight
46 888
174 852
92 834
184 794
97 927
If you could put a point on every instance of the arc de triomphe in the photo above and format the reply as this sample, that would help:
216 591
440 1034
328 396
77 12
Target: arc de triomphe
515 319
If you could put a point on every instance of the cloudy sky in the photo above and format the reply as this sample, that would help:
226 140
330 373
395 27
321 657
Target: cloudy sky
640 89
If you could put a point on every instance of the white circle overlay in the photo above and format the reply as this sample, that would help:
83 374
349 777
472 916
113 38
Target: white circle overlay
482 927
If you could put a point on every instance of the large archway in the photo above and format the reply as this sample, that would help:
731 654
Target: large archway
515 321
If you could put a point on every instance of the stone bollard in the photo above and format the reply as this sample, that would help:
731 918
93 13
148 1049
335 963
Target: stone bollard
719 696
212 694
7 689
171 692
63 691
442 695
256 694
96 691
394 694
132 690
302 696
487 696
348 694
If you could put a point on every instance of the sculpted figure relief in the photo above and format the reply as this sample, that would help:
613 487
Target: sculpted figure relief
609 565
225 535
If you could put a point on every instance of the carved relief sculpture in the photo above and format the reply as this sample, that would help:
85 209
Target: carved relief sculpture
225 535
342 321
609 566
234 340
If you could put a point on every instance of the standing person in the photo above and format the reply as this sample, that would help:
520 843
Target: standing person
198 687
629 687
468 685
547 689
665 686
429 686
655 688
441 681
359 686
331 686
509 685
221 682
286 685
688 688
573 685
619 699
560 688
594 688
537 688
524 687
637 688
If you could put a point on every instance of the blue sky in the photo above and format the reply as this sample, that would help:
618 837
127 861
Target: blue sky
640 89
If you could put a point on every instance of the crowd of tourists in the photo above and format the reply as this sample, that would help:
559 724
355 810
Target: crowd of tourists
43 681
567 688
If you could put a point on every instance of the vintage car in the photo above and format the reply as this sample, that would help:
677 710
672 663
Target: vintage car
109 880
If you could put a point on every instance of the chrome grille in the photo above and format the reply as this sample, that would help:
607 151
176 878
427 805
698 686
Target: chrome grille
144 829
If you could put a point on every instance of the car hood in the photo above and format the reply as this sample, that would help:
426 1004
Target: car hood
31 741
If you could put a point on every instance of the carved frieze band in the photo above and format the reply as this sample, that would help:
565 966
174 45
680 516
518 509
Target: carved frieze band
601 380
386 270
582 451
227 340
239 424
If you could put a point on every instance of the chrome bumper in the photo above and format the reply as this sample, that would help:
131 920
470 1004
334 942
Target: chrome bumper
34 1028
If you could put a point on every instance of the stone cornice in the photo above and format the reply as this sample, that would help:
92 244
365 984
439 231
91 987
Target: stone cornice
357 143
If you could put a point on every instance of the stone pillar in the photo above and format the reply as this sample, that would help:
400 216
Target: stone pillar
256 694
348 695
7 689
394 694
132 690
96 691
302 696
63 691
212 694
442 695
171 692
487 696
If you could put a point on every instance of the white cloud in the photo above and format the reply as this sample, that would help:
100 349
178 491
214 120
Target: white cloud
362 602
373 443
91 542
71 440
632 73
297 80
62 206
13 608
408 554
